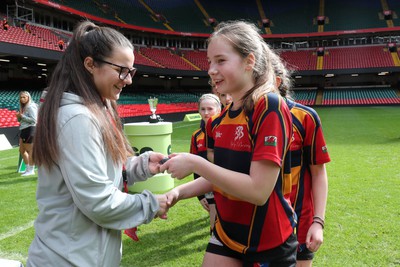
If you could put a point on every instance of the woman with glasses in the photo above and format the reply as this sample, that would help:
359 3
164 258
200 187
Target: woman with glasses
80 150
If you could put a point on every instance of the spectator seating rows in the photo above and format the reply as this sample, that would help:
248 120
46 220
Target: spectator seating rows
300 60
305 97
31 36
372 56
166 58
134 110
335 58
357 57
136 104
140 59
358 96
7 118
198 58
130 104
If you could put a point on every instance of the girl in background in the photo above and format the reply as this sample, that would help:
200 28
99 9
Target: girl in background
27 117
225 99
209 106
309 178
250 140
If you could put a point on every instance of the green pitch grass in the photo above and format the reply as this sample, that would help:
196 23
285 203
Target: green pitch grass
362 220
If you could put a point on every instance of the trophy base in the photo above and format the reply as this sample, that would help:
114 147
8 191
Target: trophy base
153 120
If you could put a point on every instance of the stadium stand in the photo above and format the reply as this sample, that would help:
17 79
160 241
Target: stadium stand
357 57
300 60
36 36
360 96
198 58
166 58
130 104
305 96
141 59
159 28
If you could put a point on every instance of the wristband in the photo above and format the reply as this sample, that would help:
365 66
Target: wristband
320 223
319 218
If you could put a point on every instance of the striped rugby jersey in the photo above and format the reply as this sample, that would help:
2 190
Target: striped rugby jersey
308 148
238 140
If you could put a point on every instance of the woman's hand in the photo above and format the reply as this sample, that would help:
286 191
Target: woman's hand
19 116
154 162
164 206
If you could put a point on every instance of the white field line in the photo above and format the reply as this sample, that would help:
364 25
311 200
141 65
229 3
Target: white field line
16 230
187 125
13 157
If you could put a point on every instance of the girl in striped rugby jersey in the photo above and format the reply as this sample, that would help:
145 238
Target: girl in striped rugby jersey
249 142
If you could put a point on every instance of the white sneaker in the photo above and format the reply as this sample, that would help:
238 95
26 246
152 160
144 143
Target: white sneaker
28 173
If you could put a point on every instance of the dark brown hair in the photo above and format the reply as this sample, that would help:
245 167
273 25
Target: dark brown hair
70 75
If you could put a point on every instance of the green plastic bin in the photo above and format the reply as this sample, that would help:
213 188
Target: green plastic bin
143 137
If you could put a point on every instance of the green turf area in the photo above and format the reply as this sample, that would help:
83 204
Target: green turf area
362 214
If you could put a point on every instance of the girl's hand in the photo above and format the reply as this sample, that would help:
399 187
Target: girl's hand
154 162
204 204
315 237
179 165
172 197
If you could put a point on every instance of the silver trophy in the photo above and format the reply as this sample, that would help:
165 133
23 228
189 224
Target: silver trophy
153 107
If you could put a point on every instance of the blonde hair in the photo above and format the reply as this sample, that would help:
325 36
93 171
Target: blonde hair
246 39
210 96
21 105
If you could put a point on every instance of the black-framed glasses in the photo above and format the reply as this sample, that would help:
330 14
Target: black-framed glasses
123 71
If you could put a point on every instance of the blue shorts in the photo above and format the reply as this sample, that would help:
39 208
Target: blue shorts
282 256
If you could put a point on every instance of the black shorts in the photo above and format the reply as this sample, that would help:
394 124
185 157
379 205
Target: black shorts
282 256
303 254
27 134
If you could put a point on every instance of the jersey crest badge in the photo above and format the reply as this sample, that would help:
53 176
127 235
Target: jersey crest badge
270 140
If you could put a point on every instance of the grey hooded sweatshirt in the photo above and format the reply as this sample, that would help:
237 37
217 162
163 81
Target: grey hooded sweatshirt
81 207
